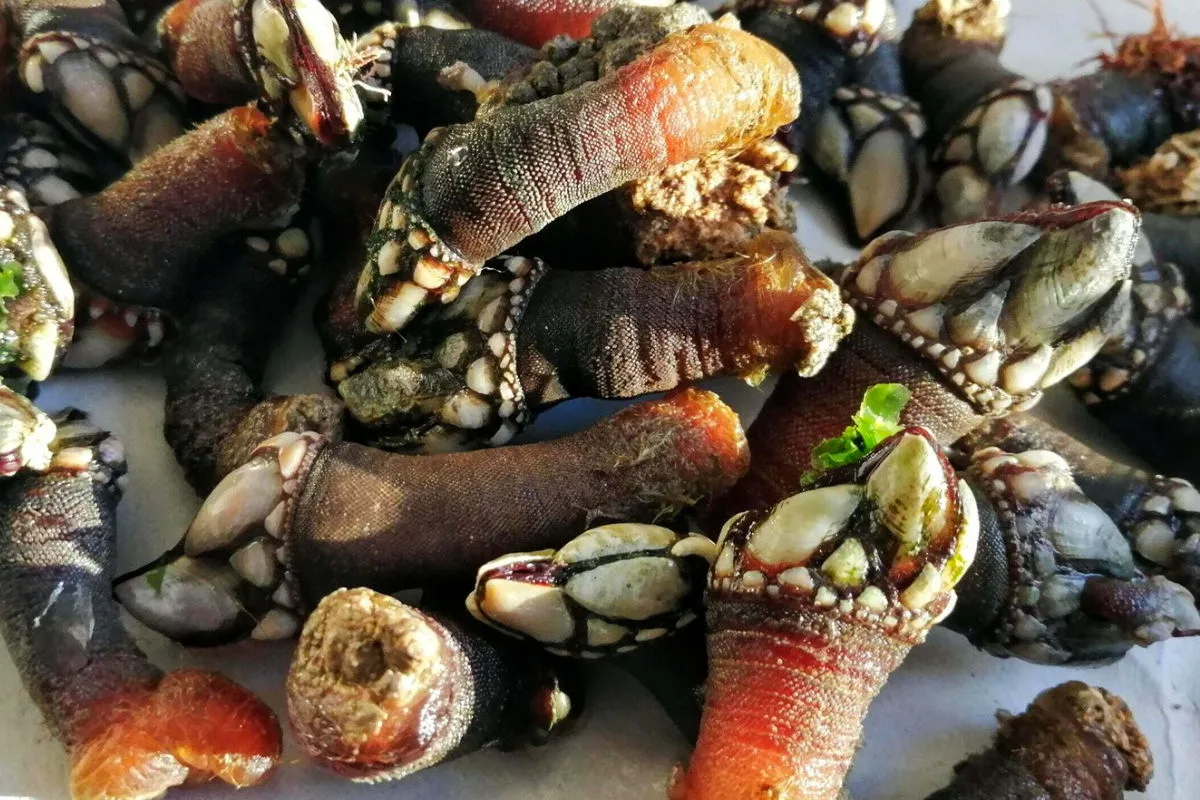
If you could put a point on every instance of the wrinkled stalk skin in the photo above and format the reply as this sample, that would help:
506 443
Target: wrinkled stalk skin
141 240
369 518
482 208
131 731
1074 742
421 98
1176 240
1104 120
198 40
800 414
948 76
535 22
215 410
475 190
1157 416
626 332
822 678
477 691
59 545
821 62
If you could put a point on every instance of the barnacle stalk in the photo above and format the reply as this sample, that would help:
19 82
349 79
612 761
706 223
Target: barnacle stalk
974 319
520 337
822 38
287 53
379 690
1176 241
131 731
142 239
431 77
305 516
536 22
811 605
472 191
37 302
1073 742
216 413
608 590
988 124
703 208
1055 581
1158 515
1145 91
96 77
1145 382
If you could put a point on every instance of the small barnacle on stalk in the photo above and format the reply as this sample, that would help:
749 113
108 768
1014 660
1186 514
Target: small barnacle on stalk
1158 515
378 690
98 79
608 590
1069 588
520 337
870 143
988 124
811 605
305 515
472 191
37 301
1143 382
287 53
974 319
35 159
1003 307
1074 742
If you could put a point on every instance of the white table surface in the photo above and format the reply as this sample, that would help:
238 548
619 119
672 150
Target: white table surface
935 710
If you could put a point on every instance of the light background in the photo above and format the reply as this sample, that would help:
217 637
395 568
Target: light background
936 709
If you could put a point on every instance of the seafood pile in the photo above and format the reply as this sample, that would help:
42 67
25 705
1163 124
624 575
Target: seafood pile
503 208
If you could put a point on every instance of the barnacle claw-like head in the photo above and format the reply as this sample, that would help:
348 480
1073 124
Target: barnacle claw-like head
298 55
25 434
1003 307
37 303
871 143
1158 301
230 575
607 591
453 381
857 25
883 543
968 20
1073 592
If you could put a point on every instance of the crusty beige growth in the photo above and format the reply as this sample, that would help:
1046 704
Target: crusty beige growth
710 207
360 660
968 20
1169 181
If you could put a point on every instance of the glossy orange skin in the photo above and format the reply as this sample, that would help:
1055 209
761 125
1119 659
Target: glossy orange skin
192 727
786 696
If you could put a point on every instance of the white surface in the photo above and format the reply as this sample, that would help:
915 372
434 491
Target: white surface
936 709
